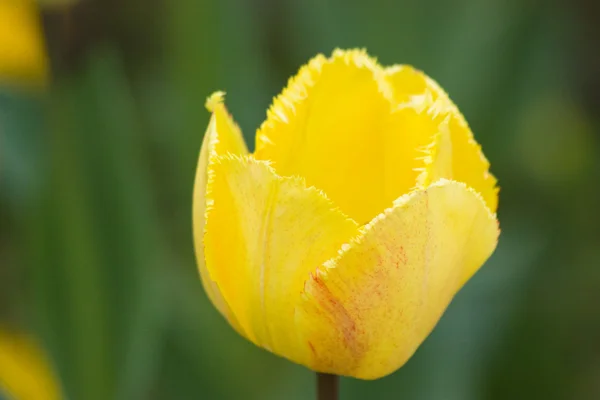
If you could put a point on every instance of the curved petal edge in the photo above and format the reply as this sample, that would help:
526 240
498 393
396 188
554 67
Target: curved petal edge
222 136
264 233
366 311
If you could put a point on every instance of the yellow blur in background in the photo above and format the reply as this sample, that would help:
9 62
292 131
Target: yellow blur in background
25 373
23 57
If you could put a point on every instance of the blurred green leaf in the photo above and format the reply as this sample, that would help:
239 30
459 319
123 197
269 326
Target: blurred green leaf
93 269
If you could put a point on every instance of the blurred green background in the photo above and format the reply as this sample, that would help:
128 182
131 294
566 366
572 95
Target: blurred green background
96 173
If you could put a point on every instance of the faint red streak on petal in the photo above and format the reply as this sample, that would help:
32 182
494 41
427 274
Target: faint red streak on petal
396 253
312 348
336 313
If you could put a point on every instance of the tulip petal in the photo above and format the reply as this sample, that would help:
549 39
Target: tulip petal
330 127
440 134
222 137
365 312
366 135
264 234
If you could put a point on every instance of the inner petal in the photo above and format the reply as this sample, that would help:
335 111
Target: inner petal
352 129
451 151
327 127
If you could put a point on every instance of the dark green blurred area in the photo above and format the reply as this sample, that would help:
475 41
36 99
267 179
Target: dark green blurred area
96 253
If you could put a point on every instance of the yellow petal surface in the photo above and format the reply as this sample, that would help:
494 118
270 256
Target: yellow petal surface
441 134
24 370
264 234
22 52
366 135
333 126
222 137
365 312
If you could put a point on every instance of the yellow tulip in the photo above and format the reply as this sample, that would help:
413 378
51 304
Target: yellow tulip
365 207
23 57
24 370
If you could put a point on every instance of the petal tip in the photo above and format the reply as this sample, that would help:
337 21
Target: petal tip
358 57
214 100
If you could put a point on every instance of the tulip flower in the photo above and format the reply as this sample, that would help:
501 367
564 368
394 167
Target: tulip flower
365 207
25 373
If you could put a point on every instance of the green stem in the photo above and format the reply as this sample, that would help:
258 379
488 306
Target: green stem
327 386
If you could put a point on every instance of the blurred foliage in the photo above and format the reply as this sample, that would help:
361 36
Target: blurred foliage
96 175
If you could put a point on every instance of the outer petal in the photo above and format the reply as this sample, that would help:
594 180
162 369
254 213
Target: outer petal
330 126
366 312
264 233
444 139
222 137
